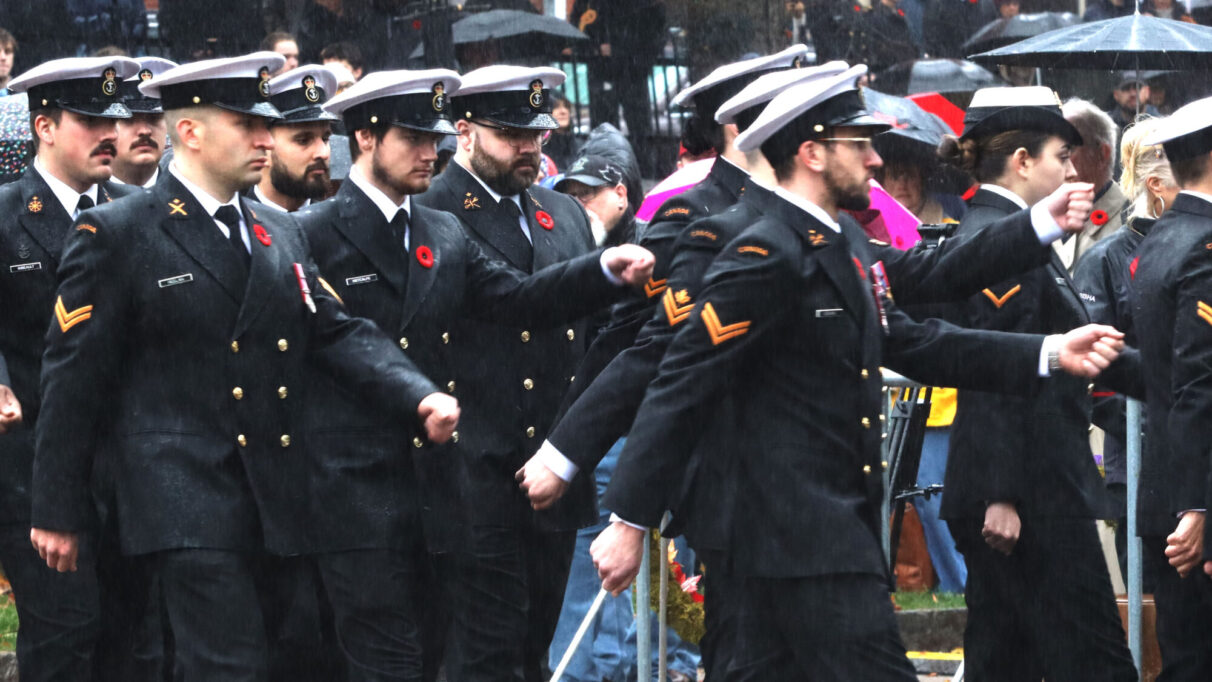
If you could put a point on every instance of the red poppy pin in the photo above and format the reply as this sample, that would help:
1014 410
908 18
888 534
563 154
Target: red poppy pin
544 219
1132 267
262 235
425 256
1099 217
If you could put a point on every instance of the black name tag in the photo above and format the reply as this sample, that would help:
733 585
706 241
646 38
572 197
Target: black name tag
174 281
361 279
828 312
24 267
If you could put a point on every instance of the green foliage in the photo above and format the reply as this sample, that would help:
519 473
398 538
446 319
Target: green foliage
911 601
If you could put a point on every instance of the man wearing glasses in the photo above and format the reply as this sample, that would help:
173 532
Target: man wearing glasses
511 568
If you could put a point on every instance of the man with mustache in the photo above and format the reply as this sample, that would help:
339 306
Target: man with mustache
511 566
141 138
298 166
74 105
186 319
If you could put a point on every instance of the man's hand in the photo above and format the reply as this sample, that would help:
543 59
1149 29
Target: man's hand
1002 527
1185 546
10 409
630 263
1088 350
57 548
617 553
1070 205
440 414
539 483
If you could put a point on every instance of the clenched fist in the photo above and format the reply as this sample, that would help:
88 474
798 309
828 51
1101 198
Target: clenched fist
439 412
630 263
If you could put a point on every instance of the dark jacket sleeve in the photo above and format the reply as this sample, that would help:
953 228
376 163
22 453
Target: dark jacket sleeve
1191 385
4 378
964 264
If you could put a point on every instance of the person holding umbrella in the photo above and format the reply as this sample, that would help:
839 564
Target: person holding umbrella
1022 487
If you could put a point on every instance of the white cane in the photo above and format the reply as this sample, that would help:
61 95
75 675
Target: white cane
580 634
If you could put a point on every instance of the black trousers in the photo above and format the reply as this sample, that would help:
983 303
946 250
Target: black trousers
1184 618
829 628
506 590
1045 611
721 606
58 612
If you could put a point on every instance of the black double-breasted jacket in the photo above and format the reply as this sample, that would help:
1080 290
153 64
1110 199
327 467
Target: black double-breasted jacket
362 458
166 354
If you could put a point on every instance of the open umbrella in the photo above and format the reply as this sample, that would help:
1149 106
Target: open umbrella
1019 27
935 75
915 134
1134 42
497 24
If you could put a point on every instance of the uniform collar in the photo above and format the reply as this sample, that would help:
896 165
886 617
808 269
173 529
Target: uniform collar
151 182
1005 193
261 198
491 192
386 206
209 204
1198 195
68 197
811 208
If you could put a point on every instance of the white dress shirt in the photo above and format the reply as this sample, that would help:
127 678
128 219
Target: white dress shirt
211 205
66 196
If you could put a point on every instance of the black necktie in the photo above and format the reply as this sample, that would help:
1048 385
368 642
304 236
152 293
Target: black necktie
85 203
399 227
229 216
513 232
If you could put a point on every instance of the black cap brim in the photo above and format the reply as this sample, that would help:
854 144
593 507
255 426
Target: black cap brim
1045 119
262 109
527 121
144 106
588 180
309 115
96 109
438 125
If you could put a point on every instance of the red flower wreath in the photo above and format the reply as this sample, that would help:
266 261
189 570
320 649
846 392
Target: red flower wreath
262 235
544 219
425 256
1099 217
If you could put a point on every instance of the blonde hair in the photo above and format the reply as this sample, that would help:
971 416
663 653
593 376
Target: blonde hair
1142 162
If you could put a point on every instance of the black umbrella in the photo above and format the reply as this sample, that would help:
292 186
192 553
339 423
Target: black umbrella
1130 42
935 75
1007 31
513 24
915 135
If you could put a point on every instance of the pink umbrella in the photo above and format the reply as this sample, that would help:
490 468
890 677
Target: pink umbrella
681 180
901 224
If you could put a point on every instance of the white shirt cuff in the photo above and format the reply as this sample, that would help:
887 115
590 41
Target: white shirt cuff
559 464
1050 343
1045 226
615 518
618 282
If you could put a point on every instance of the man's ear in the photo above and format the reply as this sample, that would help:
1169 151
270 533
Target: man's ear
466 131
44 128
812 155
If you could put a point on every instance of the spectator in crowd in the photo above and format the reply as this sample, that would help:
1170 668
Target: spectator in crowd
8 51
221 28
347 55
1166 9
948 23
886 37
325 22
284 44
1108 9
598 185
1131 97
563 146
1094 161
1008 8
1103 276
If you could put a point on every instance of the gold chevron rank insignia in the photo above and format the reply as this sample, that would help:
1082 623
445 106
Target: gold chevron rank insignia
677 306
722 332
654 286
1000 301
66 319
1204 311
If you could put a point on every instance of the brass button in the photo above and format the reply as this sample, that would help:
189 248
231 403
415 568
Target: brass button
450 386
884 465
282 392
528 384
454 436
571 335
572 378
285 440
525 337
241 440
416 442
881 418
404 342
866 423
235 346
530 432
445 337
866 468
282 345
237 393
1090 389
864 374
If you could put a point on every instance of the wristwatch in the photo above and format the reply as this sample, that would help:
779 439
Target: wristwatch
1054 363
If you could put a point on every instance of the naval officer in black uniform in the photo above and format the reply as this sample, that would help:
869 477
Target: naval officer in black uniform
1171 295
512 567
413 271
298 167
183 319
793 322
75 104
